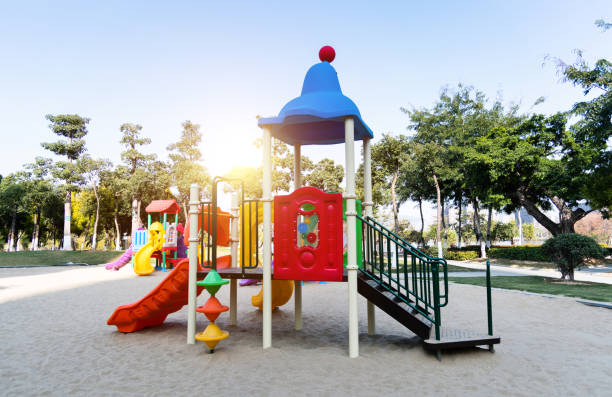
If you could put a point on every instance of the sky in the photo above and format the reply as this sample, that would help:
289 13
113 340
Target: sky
220 64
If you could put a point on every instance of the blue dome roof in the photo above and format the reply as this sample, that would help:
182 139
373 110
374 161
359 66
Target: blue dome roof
317 115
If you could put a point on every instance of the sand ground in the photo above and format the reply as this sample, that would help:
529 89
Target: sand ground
55 342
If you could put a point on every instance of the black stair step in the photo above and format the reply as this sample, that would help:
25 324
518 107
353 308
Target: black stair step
389 303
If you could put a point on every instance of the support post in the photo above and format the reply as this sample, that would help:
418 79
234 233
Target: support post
234 242
297 291
367 210
267 239
193 262
351 225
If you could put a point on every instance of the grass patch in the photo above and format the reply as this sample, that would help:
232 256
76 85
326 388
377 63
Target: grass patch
52 258
453 268
544 285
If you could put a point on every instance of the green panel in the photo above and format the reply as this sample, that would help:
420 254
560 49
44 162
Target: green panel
359 232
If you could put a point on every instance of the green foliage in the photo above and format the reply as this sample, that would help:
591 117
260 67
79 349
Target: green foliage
455 254
325 175
462 255
569 252
388 156
503 231
528 231
131 139
72 127
186 160
451 237
521 253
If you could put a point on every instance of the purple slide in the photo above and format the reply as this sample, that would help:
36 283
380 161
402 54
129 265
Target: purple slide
122 261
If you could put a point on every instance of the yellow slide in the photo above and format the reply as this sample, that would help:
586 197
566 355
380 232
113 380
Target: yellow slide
142 259
282 290
281 293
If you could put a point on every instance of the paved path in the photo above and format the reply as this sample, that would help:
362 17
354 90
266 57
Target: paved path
601 274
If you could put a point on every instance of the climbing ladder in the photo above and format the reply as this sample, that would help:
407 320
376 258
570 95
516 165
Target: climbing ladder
412 287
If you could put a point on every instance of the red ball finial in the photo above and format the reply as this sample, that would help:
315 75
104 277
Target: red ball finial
327 54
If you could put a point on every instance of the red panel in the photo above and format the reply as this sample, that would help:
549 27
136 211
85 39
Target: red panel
163 206
308 236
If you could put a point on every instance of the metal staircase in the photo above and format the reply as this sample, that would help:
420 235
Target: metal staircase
412 287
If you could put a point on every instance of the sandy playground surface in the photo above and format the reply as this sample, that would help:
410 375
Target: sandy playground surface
55 342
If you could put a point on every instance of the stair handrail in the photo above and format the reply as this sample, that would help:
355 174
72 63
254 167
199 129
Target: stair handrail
424 287
429 258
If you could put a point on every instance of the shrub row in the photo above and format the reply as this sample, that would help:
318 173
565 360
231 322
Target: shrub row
521 253
464 254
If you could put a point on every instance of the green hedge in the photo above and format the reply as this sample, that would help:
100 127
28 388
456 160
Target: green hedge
461 255
521 253
455 254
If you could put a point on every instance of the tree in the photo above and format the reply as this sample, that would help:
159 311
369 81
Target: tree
570 250
454 122
186 167
92 170
39 193
73 128
387 158
135 162
414 181
503 231
325 175
13 207
593 130
116 183
538 164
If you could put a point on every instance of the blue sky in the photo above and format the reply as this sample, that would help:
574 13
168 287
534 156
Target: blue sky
222 63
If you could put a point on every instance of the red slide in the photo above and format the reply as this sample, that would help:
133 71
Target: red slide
168 297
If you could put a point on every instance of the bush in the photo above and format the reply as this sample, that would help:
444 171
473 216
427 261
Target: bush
455 254
463 255
569 251
520 252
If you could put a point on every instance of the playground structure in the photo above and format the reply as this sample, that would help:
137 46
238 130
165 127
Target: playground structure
159 241
310 237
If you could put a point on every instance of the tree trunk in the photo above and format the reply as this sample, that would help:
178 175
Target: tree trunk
477 231
136 221
36 232
84 241
18 245
444 232
489 216
439 220
519 218
11 242
394 202
67 217
567 217
118 234
459 228
185 210
422 221
94 238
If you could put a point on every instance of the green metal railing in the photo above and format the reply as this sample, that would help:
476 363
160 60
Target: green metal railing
407 272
